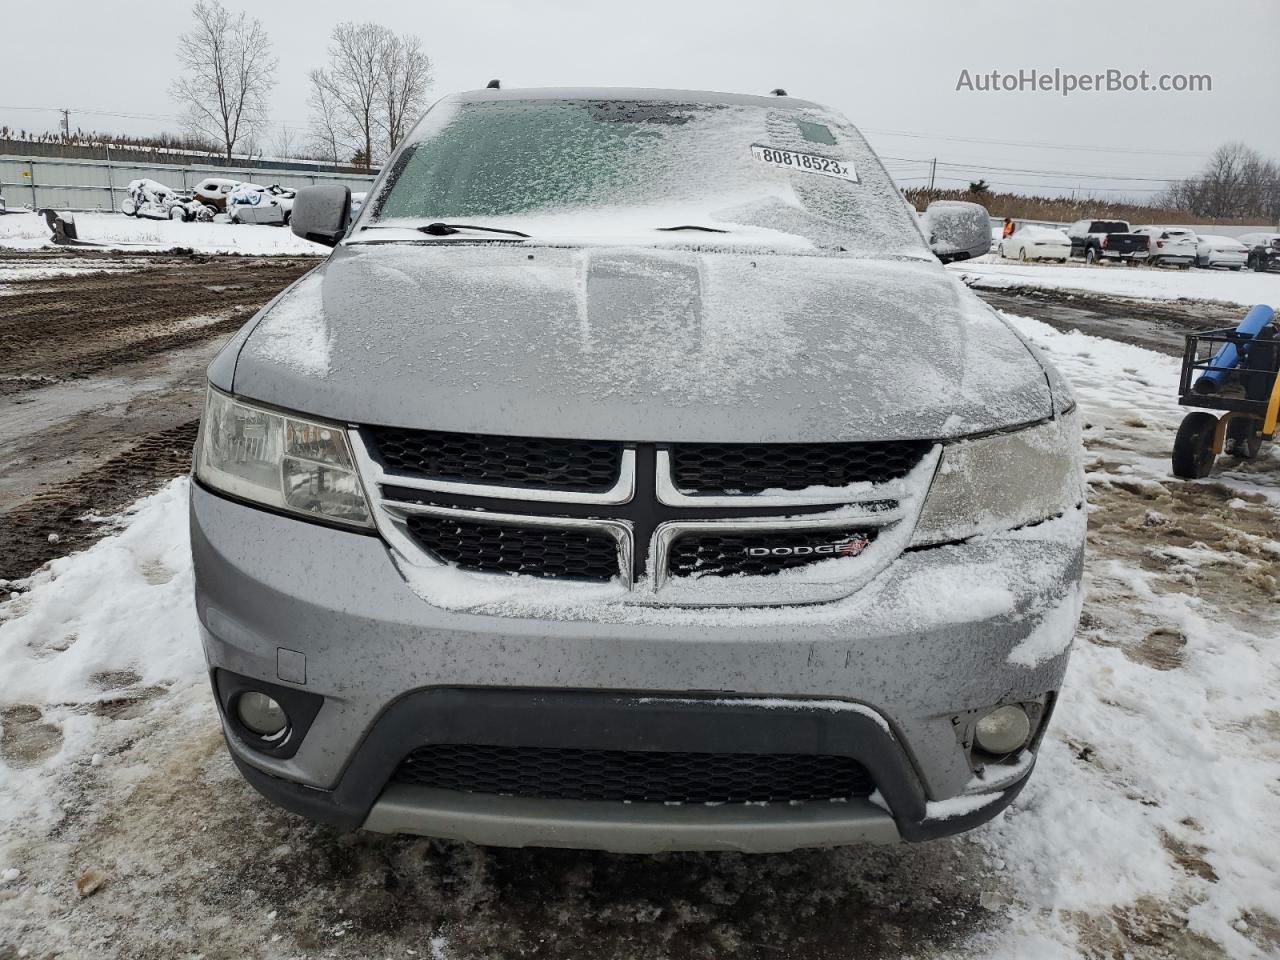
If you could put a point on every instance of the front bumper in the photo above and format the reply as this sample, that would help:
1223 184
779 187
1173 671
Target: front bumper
886 676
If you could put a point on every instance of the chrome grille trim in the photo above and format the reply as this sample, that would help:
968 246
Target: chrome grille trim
396 512
374 473
892 508
667 533
672 496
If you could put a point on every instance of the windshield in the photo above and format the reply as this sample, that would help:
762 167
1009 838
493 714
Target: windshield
792 178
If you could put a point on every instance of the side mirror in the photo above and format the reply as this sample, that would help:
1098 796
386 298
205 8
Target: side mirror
321 213
957 229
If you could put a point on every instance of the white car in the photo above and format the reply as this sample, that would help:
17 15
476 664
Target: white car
152 200
1036 243
357 203
252 203
1175 245
1226 252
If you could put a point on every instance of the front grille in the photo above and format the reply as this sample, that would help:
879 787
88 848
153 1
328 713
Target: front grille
727 554
751 468
533 550
554 773
578 465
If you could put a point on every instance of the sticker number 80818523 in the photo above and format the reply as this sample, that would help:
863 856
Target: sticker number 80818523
804 162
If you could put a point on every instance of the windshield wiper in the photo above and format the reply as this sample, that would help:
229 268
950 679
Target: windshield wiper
446 229
694 226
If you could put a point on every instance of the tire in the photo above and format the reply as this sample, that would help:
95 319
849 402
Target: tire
1090 256
1235 269
128 207
1193 446
1244 439
177 213
1184 266
1022 255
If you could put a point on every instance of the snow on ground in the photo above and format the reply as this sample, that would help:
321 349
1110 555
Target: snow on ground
28 231
38 267
1160 283
1148 830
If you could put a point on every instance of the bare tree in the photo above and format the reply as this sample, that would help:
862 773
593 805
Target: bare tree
1236 182
350 83
284 143
326 135
372 89
229 73
406 74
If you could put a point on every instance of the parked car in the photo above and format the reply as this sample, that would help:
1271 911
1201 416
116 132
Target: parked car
626 488
250 203
1215 251
213 192
152 200
1169 245
1096 241
1264 250
957 230
1036 243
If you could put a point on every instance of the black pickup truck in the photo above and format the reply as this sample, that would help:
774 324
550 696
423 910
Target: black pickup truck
1264 250
1098 240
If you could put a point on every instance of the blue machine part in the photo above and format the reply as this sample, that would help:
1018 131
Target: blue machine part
1229 356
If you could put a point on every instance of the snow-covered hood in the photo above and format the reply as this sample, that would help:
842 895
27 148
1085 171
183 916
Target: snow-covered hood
639 344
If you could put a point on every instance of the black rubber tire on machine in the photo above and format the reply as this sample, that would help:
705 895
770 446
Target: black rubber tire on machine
1244 438
1193 447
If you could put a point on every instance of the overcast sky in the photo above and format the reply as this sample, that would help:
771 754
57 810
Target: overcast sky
892 68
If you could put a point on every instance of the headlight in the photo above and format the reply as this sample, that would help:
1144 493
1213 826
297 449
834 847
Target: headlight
280 461
1004 481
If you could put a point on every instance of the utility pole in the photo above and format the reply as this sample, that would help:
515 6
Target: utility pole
933 168
66 123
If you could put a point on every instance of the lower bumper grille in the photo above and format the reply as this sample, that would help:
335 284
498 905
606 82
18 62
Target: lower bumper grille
535 550
758 554
552 773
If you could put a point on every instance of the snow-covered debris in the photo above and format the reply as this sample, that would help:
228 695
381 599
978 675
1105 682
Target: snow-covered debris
1146 282
28 231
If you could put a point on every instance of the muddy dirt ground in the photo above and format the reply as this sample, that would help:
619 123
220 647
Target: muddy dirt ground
102 379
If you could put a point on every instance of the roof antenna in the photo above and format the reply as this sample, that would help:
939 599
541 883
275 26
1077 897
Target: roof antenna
778 92
493 85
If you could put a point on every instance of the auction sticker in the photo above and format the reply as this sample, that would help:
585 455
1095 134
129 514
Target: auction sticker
805 162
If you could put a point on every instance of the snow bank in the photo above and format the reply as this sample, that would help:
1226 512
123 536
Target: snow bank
1157 283
27 231
93 627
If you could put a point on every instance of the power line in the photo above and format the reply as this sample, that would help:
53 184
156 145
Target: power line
1045 186
1032 143
1029 170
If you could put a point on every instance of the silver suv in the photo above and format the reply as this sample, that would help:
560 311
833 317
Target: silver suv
631 476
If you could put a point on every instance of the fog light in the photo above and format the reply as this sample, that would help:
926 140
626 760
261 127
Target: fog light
262 715
1003 730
